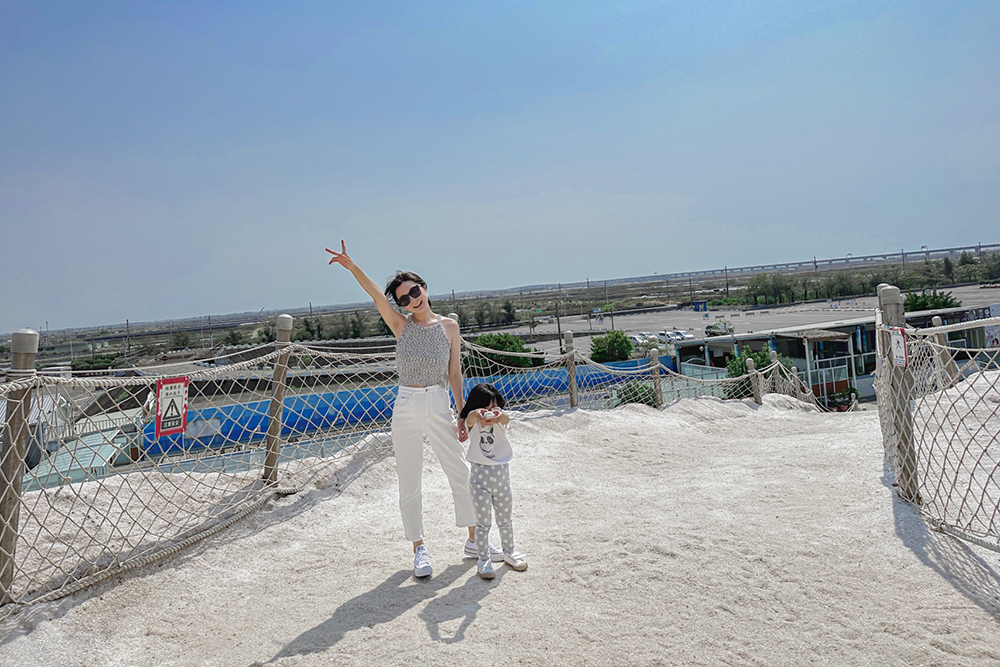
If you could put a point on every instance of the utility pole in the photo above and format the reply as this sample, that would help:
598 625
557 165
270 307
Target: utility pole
125 350
726 269
559 330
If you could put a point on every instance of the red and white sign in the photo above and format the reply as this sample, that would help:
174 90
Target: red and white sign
898 339
171 405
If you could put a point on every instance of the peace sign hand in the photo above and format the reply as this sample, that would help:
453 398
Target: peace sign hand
341 257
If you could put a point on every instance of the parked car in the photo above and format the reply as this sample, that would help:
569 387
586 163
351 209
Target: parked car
683 335
722 328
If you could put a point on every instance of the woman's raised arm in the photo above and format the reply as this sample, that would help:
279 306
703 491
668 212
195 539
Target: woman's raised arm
393 319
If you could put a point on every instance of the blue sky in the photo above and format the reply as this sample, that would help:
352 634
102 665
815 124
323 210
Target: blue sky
168 160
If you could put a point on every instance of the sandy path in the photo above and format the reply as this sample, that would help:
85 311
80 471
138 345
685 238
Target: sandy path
704 534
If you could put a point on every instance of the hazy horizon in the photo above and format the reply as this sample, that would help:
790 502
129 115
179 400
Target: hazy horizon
458 291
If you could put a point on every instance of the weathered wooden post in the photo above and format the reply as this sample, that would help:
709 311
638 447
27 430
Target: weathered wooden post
945 361
24 347
900 392
654 362
574 391
277 401
754 381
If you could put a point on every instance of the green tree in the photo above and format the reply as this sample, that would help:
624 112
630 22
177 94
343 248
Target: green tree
381 328
179 340
508 312
949 268
479 364
313 327
357 325
234 337
990 269
464 320
613 346
267 333
482 314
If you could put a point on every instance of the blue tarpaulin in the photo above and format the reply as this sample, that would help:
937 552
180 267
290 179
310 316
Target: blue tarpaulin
245 423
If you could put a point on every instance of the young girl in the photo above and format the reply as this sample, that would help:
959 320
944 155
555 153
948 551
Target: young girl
489 480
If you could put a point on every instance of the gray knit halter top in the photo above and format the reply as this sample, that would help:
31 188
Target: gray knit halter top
422 355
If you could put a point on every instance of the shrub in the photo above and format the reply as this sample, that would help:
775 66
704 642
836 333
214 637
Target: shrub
929 301
478 365
737 365
613 346
100 362
635 391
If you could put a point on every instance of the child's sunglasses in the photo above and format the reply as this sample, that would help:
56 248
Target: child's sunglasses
404 300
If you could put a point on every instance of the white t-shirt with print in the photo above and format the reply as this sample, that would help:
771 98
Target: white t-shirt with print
489 445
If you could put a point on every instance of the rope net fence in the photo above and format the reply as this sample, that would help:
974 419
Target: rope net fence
90 487
939 410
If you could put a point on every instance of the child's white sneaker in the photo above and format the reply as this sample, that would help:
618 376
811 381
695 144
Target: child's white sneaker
485 569
516 561
422 562
496 555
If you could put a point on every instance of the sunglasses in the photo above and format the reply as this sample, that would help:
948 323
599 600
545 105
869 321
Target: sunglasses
404 300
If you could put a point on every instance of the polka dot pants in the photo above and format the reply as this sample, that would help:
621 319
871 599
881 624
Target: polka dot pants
490 487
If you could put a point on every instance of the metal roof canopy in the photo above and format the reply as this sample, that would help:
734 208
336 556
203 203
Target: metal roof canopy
817 335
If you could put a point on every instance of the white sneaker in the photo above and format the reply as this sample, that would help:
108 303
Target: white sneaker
422 562
516 561
484 569
496 555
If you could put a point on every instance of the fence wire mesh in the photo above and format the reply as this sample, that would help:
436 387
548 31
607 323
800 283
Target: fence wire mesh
940 419
95 490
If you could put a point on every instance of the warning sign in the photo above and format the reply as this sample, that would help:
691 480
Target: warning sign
898 339
171 405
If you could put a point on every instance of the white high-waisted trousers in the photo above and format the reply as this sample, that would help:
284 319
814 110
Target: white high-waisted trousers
421 411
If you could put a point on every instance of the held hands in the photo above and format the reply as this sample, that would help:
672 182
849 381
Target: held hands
341 257
462 431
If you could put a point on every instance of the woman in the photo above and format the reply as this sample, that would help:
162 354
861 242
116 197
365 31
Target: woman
428 357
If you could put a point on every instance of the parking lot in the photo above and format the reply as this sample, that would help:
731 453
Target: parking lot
742 321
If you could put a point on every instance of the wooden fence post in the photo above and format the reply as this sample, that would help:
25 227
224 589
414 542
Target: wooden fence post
946 362
890 302
277 401
754 381
574 390
24 347
654 361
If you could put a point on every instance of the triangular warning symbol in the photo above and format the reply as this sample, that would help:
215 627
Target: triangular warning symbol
172 411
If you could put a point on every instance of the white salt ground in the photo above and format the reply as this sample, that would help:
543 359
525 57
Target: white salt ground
707 533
